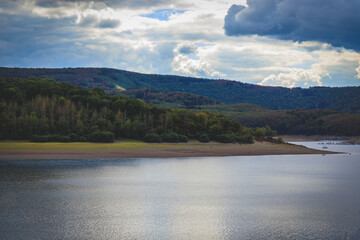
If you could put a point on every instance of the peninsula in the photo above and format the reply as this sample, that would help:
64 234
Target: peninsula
138 149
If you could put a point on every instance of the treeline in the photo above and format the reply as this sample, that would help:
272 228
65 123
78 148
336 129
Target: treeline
229 92
44 110
304 122
297 122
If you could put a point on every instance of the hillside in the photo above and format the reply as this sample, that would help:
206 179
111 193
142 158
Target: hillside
169 99
303 122
45 110
230 92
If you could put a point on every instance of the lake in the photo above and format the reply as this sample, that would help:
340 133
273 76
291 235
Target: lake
250 197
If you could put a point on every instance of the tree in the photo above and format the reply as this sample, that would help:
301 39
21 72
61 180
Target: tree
204 138
63 126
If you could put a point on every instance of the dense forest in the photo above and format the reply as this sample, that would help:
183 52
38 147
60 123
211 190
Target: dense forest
45 110
298 121
230 92
168 98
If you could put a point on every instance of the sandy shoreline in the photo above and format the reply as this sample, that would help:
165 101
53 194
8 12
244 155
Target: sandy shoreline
159 151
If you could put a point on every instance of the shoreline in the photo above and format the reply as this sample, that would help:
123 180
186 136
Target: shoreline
311 138
27 150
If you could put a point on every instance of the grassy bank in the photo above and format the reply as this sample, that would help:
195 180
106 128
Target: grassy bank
87 146
136 149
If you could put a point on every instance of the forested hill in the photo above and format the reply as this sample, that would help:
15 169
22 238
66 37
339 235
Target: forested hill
45 110
293 122
344 99
168 98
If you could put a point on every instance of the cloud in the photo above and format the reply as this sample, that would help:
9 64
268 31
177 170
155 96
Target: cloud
296 78
59 3
315 46
94 20
163 14
132 4
189 67
183 63
186 48
358 71
69 33
329 21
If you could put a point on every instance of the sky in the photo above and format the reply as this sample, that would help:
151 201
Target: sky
287 43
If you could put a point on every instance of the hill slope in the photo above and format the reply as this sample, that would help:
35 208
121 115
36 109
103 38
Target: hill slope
163 98
303 122
44 110
112 80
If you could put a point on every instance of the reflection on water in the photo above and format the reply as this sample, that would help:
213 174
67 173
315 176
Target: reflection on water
257 197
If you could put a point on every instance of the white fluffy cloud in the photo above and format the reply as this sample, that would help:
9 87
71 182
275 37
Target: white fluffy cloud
296 78
185 62
191 41
104 18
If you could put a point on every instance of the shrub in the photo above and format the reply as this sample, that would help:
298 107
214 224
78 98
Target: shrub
182 138
204 138
64 139
82 139
54 138
170 137
152 138
51 138
160 130
73 137
259 132
103 136
269 132
38 138
247 138
225 138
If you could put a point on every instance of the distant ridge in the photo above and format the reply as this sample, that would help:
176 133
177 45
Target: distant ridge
230 92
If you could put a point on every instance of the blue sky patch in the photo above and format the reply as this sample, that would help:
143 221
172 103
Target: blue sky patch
163 14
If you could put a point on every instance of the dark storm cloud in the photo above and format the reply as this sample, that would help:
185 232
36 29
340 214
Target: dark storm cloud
329 21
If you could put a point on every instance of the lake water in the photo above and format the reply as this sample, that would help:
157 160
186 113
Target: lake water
252 197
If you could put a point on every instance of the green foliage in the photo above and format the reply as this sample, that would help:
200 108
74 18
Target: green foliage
38 138
182 138
82 139
101 137
204 138
226 138
269 132
299 121
64 113
152 138
169 99
247 138
170 137
64 139
259 132
73 137
230 92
